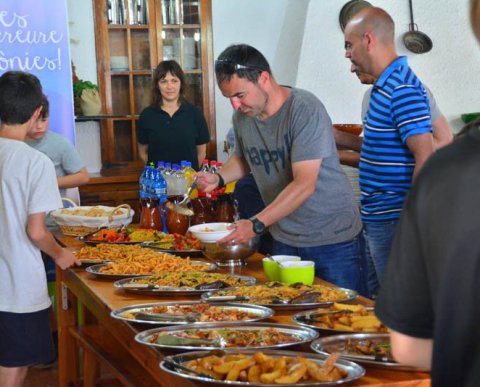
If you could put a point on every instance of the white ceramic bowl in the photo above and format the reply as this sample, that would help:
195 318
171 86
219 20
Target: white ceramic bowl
210 232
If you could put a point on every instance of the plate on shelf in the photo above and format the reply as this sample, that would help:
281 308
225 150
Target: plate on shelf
185 312
193 283
341 318
366 348
350 370
97 270
282 297
226 335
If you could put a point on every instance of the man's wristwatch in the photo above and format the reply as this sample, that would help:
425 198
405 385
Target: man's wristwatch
258 227
221 182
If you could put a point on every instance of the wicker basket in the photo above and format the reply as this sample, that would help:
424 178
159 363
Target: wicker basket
82 225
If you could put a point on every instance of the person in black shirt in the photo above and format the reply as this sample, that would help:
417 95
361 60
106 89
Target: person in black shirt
171 129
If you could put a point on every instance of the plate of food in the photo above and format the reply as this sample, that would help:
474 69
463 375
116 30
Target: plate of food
186 312
341 318
262 368
182 283
176 244
110 252
226 335
277 295
140 267
366 348
122 235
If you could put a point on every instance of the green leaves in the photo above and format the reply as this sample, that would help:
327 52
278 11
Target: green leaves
81 85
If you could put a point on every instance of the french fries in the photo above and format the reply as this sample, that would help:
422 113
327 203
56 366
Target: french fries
349 318
260 368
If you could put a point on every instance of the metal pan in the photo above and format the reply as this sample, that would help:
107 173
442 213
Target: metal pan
338 343
348 295
299 335
414 40
95 270
354 371
129 284
307 319
129 313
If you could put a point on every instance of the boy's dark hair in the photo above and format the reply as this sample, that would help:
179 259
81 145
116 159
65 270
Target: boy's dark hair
243 60
20 95
163 68
45 107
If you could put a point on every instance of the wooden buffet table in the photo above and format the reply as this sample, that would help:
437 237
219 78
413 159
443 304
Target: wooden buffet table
103 340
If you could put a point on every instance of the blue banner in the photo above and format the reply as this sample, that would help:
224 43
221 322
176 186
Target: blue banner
34 38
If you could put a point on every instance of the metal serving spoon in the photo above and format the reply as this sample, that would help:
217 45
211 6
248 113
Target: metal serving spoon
181 206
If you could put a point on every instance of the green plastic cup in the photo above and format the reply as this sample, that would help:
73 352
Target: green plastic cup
271 268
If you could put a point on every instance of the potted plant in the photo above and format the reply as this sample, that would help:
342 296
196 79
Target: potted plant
87 93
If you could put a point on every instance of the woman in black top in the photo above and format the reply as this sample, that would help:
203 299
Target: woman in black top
171 129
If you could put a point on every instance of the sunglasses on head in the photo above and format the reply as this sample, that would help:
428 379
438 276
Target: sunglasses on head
226 66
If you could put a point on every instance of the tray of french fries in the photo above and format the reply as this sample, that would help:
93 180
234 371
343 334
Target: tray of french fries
262 368
341 318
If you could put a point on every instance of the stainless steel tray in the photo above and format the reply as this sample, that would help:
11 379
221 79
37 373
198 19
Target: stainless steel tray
127 283
302 318
354 370
260 312
303 335
95 270
349 295
337 343
181 253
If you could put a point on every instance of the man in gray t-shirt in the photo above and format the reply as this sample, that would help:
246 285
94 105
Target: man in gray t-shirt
284 136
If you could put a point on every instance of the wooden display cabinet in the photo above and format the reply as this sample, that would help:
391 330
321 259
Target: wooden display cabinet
132 37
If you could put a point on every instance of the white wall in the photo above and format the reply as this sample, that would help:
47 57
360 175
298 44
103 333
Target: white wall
450 69
274 27
303 42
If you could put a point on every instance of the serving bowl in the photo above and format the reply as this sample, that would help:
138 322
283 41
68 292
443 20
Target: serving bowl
230 255
210 232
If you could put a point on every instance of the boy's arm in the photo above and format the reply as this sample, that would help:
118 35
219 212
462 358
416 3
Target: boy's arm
42 238
74 180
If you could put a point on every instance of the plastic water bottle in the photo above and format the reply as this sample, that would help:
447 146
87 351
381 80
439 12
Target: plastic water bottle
142 189
161 166
189 172
159 186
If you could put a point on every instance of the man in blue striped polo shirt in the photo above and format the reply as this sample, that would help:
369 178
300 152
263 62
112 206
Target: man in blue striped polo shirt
397 130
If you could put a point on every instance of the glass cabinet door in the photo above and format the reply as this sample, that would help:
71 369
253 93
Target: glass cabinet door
132 37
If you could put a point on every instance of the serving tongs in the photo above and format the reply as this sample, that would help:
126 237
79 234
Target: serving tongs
168 317
172 340
169 361
181 206
303 298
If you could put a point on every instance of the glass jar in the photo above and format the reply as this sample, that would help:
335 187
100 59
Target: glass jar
150 215
176 223
225 211
203 211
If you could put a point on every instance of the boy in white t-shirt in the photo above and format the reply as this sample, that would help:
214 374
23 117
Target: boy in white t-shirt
28 190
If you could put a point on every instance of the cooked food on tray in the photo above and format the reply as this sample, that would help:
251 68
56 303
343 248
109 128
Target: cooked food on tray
177 242
378 349
198 312
111 252
226 337
96 211
276 292
197 280
342 317
162 240
152 264
261 368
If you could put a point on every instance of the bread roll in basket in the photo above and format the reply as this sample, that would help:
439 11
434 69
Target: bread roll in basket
81 220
